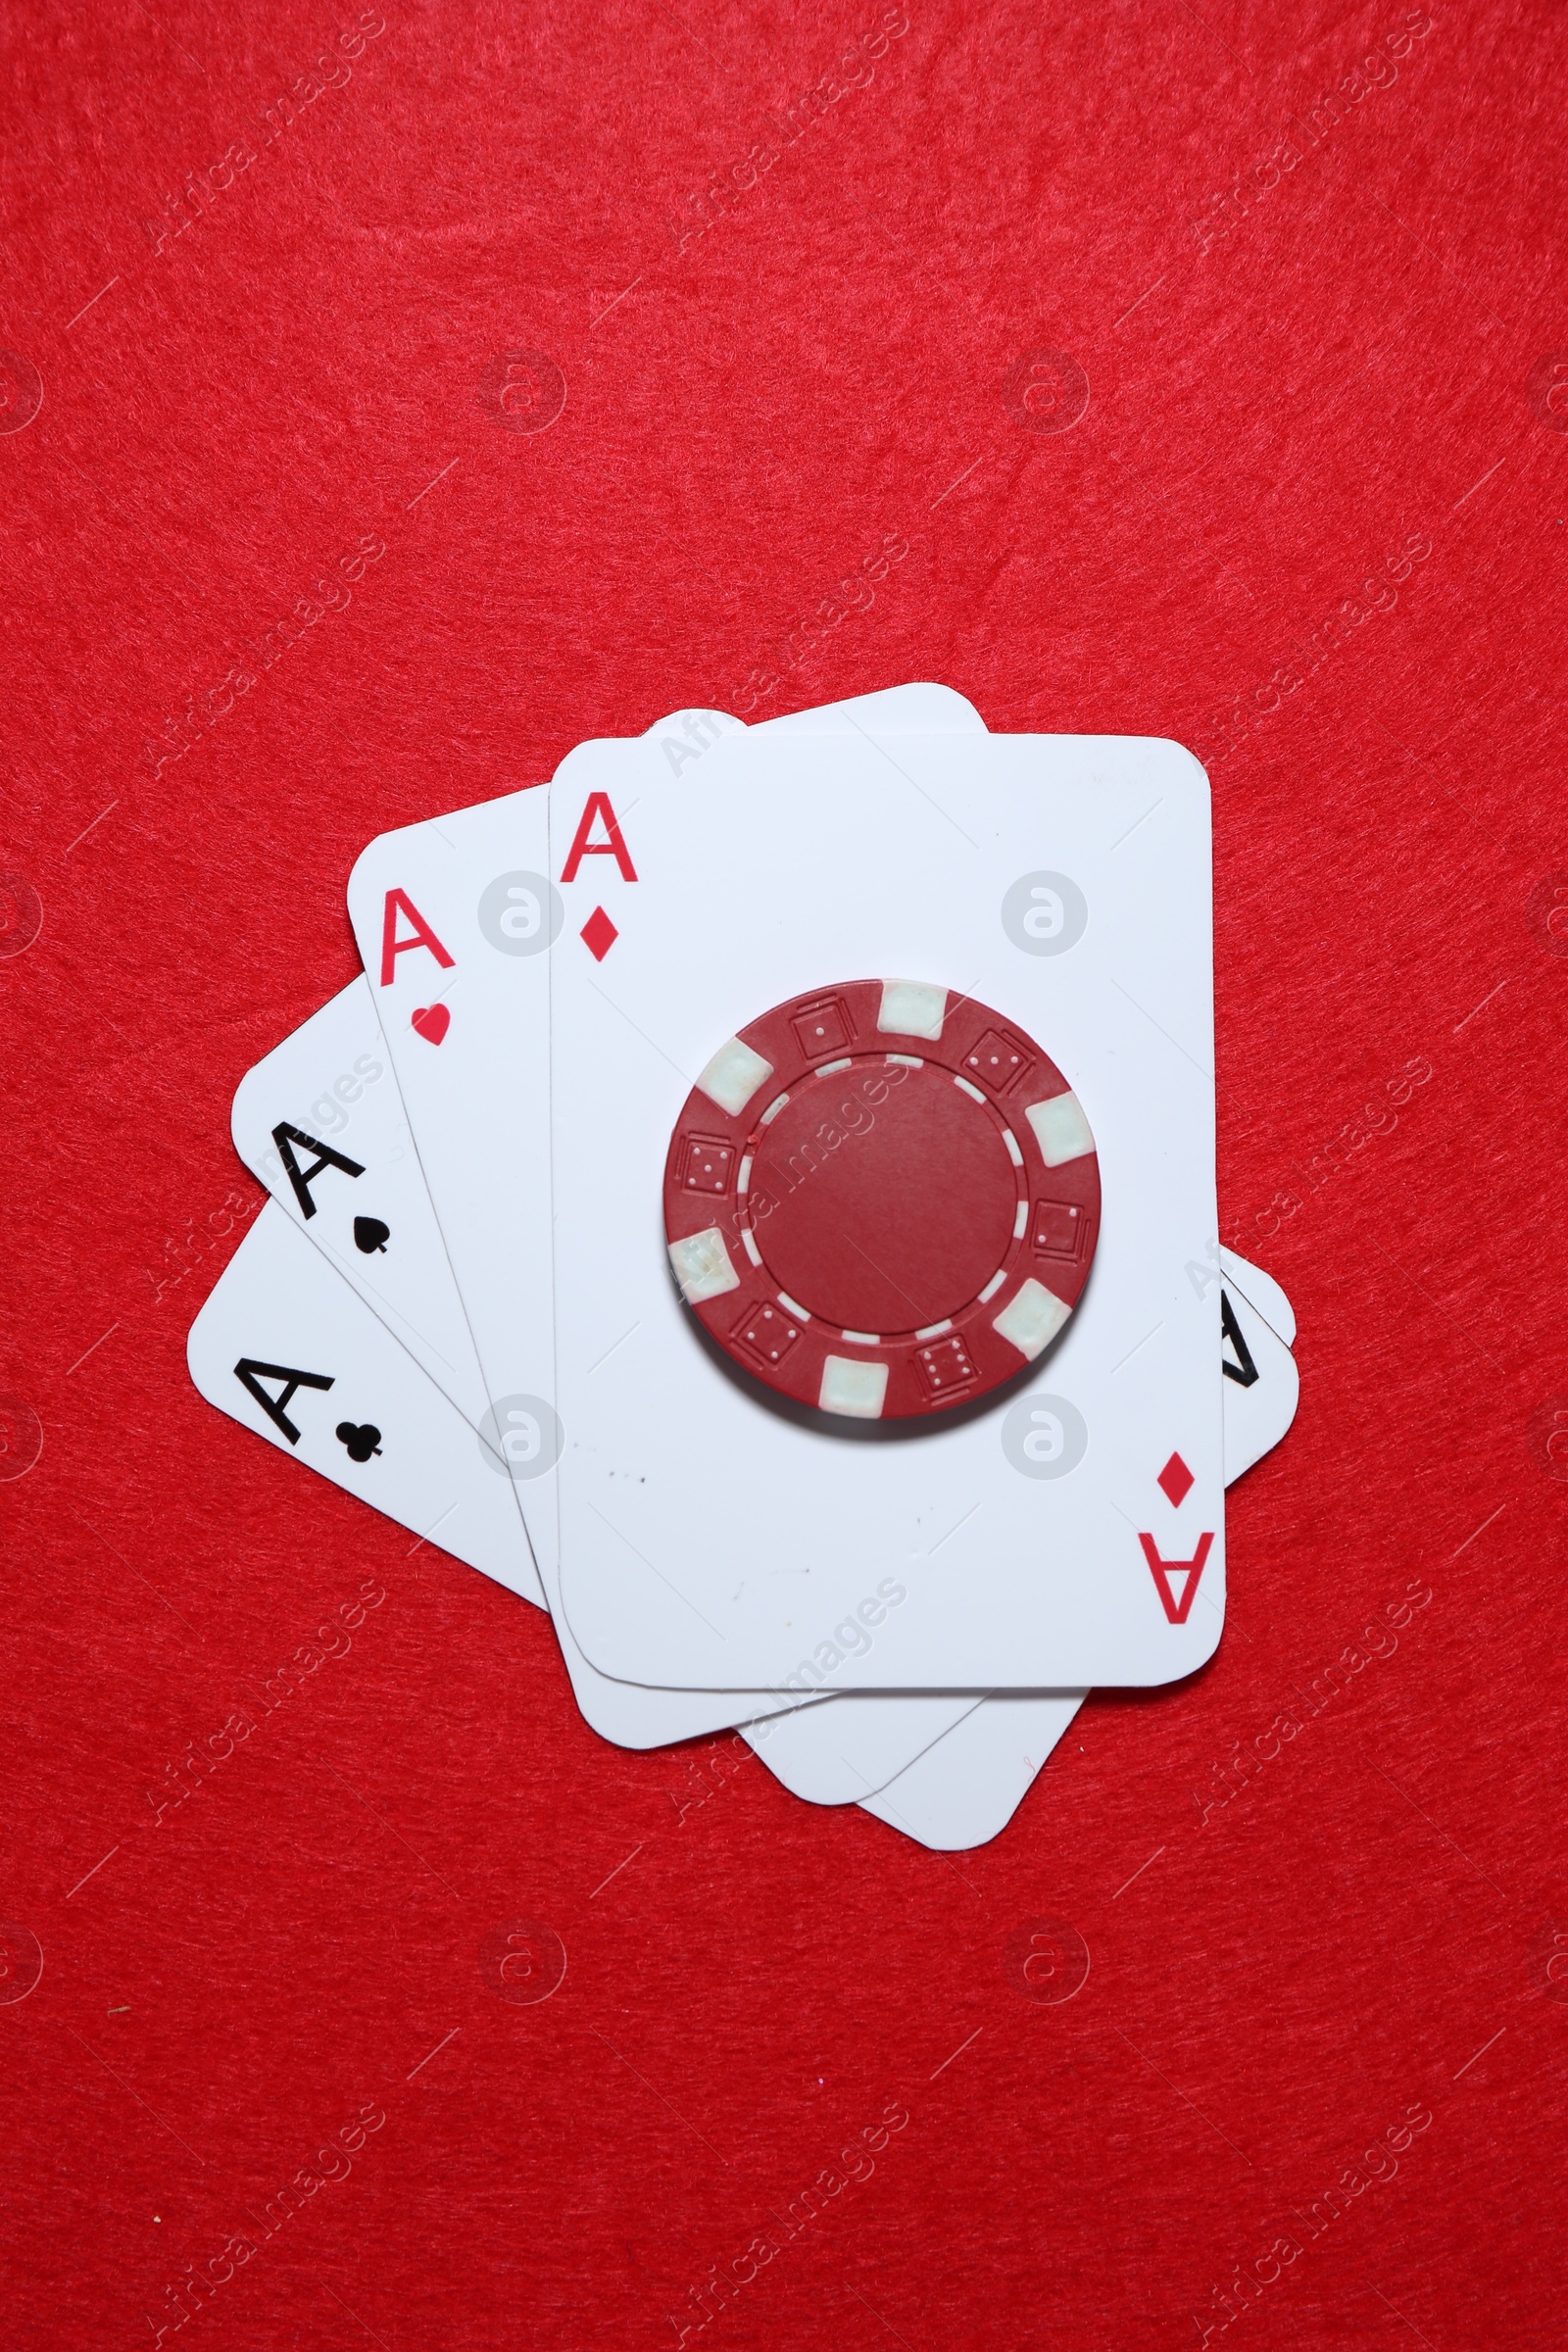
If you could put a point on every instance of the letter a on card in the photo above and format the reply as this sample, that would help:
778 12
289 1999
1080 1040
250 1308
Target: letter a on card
399 902
598 811
1177 1611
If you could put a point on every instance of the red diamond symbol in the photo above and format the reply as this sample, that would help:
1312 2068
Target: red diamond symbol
1176 1481
599 935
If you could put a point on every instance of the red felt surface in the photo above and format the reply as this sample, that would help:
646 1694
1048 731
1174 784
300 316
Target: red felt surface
1312 309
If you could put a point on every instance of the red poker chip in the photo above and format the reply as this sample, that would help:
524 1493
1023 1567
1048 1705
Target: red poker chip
882 1199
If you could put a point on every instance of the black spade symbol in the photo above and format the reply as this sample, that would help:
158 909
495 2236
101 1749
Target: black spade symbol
371 1234
361 1443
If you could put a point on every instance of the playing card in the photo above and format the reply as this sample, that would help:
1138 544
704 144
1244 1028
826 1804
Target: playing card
1265 1293
452 919
920 709
843 1750
965 1787
285 1347
965 1790
711 1531
835 1757
1261 1384
915 710
320 1121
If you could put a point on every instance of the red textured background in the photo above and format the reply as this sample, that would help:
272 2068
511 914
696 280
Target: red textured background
1352 349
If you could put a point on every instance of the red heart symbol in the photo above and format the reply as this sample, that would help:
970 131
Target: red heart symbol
431 1022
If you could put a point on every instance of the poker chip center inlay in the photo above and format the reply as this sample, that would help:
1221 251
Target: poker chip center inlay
882 1197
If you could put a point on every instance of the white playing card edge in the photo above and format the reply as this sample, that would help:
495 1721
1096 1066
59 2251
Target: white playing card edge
813 1777
1262 1292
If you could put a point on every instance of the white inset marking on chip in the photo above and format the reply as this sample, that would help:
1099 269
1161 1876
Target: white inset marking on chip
1020 1223
862 1339
1032 1320
994 1285
749 1241
733 1076
934 1331
1060 1128
968 1088
1012 1142
742 1180
826 1069
793 1306
702 1266
773 1109
853 1389
910 1061
912 1008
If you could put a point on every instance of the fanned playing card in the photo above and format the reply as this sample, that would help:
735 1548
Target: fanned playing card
801 983
460 973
